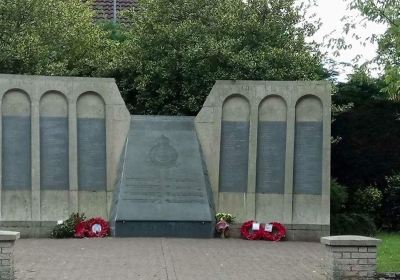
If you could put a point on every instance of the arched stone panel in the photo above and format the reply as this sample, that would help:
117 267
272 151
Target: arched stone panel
16 141
91 142
271 146
308 146
16 157
54 158
234 145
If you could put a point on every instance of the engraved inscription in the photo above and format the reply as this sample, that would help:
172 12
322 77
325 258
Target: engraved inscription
234 156
165 190
163 153
163 177
54 153
308 158
16 156
91 154
271 157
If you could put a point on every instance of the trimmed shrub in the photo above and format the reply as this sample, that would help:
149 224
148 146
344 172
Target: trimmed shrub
339 197
392 203
352 223
368 201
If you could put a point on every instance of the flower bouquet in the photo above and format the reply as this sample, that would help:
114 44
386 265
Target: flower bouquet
223 223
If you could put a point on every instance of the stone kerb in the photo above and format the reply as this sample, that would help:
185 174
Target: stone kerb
350 257
7 240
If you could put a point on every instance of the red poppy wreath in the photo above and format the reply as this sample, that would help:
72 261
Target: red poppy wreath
94 227
278 232
248 233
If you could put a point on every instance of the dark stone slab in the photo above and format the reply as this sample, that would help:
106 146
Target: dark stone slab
271 152
185 229
54 163
308 158
234 156
91 154
16 153
163 189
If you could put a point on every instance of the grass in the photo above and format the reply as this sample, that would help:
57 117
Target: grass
389 252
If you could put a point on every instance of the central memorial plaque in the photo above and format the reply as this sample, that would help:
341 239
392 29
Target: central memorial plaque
163 190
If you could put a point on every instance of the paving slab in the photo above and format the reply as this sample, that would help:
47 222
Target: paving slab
166 259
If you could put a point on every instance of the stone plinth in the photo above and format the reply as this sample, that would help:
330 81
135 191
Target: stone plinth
7 240
163 190
350 256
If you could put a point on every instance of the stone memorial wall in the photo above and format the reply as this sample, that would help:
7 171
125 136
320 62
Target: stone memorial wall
259 150
59 150
267 149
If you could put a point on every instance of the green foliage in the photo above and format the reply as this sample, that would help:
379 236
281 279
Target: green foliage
339 197
387 12
51 37
358 90
226 217
369 148
368 201
353 220
175 50
392 202
352 223
66 229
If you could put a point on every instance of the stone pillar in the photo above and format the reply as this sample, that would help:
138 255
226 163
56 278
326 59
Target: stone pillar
350 257
7 240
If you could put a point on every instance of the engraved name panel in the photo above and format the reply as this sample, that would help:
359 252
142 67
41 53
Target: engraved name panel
271 154
234 156
54 164
308 158
16 156
91 154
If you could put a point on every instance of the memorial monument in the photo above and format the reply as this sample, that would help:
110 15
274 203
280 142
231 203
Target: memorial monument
257 149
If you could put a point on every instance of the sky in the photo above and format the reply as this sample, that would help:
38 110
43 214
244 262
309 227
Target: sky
331 12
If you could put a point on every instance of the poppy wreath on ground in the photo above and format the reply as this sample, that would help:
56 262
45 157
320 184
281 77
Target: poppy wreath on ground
278 232
94 227
247 232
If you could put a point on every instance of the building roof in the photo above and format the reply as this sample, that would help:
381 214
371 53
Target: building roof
104 8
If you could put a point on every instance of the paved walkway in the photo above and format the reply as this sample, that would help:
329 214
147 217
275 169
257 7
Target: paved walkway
166 259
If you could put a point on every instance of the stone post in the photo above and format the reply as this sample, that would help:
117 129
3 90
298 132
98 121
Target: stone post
350 257
7 240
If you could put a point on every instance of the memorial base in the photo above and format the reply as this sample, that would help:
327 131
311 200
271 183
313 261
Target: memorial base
164 229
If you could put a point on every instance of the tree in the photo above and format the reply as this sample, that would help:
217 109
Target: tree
175 50
387 12
359 89
52 37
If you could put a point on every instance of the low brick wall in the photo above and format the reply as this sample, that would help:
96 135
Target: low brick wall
7 240
350 257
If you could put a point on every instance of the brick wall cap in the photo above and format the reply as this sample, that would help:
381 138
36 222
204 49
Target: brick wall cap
9 235
349 240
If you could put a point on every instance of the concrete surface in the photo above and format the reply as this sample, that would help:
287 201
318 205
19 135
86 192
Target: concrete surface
162 258
350 240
